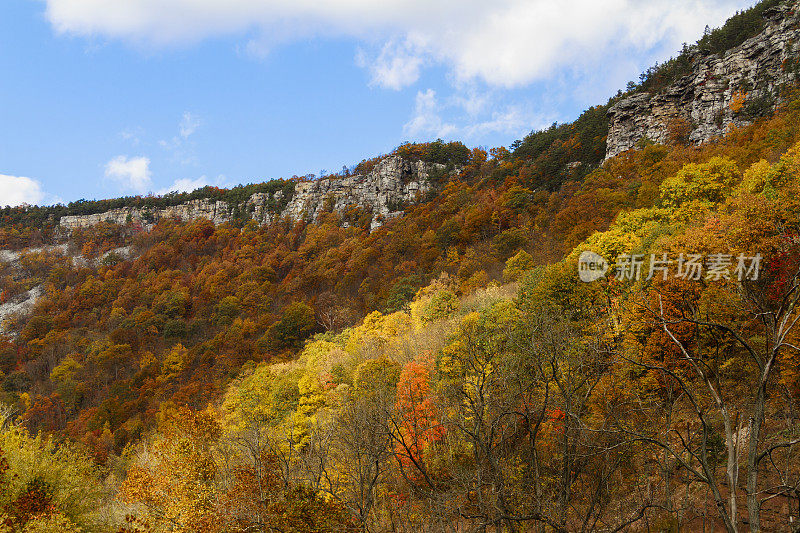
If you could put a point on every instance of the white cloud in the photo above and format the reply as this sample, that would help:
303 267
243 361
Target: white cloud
132 173
468 116
17 190
132 135
398 65
427 120
510 121
257 48
189 124
185 185
503 42
181 147
471 100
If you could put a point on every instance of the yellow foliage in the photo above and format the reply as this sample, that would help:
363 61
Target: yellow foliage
517 265
147 359
77 491
378 331
65 370
262 398
704 183
174 477
768 180
50 523
625 234
174 361
434 306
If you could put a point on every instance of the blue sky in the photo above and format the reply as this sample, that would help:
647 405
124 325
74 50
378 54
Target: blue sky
100 99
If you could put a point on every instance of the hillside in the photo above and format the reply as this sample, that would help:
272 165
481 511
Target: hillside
407 346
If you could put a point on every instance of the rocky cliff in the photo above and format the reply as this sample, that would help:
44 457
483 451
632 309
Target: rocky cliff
722 91
391 184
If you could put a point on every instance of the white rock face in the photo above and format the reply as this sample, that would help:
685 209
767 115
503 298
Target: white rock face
11 256
217 212
723 90
24 303
393 183
20 305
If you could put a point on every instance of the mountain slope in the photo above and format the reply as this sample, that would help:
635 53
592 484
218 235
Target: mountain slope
437 369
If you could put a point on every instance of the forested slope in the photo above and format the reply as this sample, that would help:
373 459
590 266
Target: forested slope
447 371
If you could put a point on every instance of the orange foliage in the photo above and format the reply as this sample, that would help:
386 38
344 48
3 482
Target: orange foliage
419 427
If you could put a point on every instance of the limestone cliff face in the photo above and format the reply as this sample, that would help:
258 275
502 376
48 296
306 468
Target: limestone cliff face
391 184
217 212
723 90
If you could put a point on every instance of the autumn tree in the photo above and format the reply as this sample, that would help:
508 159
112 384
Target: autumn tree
173 484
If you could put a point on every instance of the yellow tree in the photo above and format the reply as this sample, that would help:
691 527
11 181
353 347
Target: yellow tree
173 484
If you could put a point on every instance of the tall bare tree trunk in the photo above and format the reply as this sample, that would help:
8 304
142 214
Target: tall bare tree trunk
756 420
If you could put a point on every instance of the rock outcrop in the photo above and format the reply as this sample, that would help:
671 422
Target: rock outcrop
393 183
722 90
21 305
218 212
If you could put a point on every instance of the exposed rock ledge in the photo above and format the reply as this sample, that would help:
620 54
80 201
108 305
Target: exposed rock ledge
393 183
723 90
21 305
